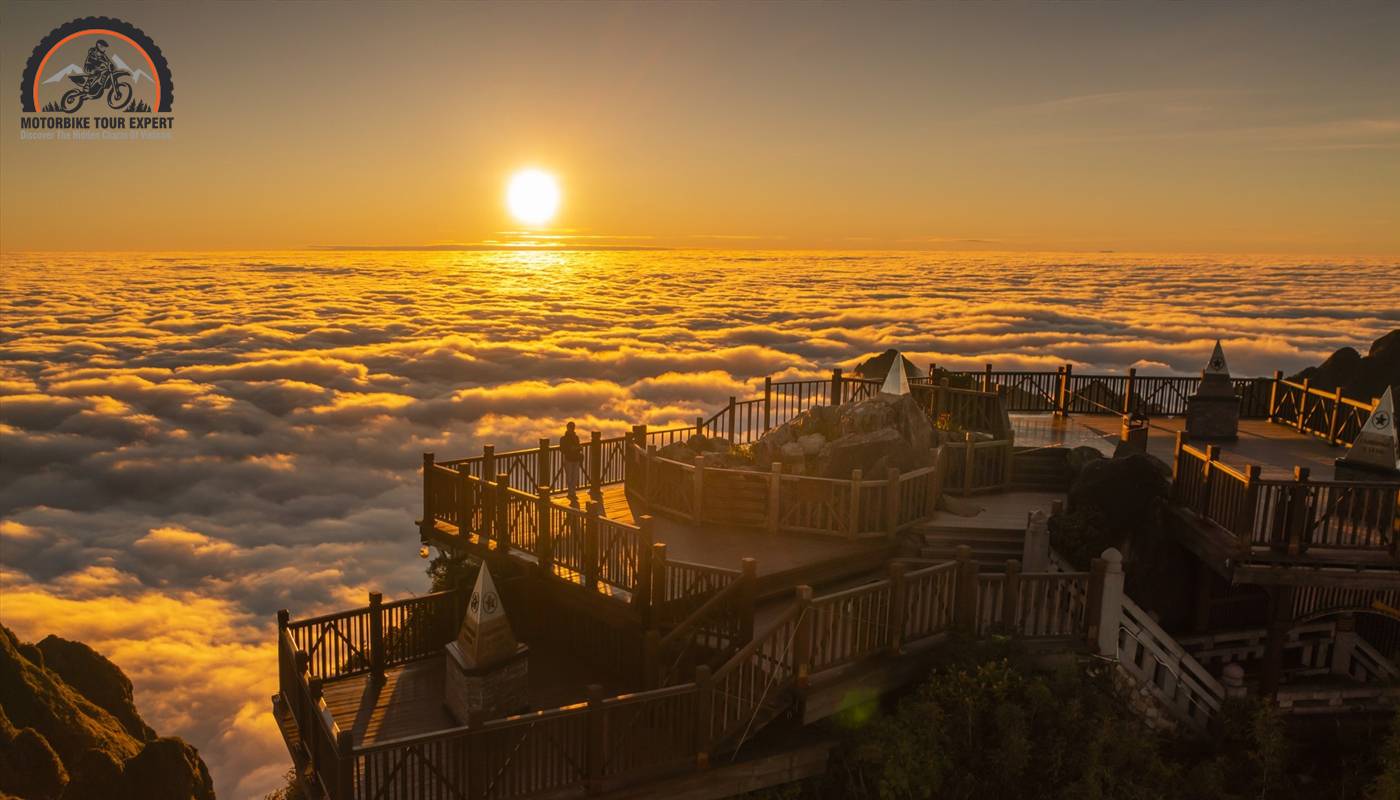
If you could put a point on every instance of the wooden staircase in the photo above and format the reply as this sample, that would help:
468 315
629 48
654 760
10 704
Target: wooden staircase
991 547
1040 468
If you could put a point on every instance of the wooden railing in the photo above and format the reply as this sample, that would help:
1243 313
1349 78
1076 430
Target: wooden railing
1049 605
1171 673
377 636
1287 516
976 466
708 635
578 545
527 470
777 501
1328 415
1062 391
611 741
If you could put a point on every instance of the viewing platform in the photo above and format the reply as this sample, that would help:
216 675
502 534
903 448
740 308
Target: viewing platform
686 605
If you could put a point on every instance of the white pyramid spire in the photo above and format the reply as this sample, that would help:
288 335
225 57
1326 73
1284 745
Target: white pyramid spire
486 636
1378 442
896 382
1217 365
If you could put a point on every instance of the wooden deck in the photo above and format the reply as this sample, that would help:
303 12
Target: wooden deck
1275 448
782 554
410 701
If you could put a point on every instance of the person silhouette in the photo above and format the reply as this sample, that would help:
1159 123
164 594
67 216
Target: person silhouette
98 66
572 451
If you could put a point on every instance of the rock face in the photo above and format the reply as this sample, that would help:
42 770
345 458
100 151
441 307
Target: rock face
69 731
1360 377
871 435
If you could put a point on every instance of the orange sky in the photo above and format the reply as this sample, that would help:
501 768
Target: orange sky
1178 127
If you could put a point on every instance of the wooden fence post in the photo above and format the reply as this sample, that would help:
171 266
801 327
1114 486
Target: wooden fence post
595 465
650 474
488 496
802 639
1303 405
658 574
345 765
699 426
987 379
965 594
1093 598
1176 456
376 637
898 610
543 468
1333 417
428 522
1203 502
1244 526
590 546
464 505
699 493
1273 395
502 510
544 505
1011 598
969 462
1128 390
732 413
892 500
775 494
767 403
836 387
1059 391
646 527
488 461
748 569
1298 516
1110 610
704 702
597 739
855 504
935 481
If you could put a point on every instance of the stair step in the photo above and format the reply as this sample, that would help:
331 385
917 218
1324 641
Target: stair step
933 539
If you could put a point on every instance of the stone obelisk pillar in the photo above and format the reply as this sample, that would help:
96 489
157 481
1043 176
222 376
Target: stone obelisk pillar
487 670
1375 454
1213 412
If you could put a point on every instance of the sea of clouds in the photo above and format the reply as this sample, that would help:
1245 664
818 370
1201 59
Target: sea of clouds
191 442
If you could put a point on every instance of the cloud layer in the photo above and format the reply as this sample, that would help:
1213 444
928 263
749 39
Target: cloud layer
191 442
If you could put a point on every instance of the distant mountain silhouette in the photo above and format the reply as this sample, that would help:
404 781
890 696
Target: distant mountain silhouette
1360 377
877 367
69 730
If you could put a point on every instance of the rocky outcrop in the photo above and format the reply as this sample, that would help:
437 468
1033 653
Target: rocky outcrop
69 731
877 367
871 435
97 679
1359 377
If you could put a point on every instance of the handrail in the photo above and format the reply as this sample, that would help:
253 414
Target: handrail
745 652
693 621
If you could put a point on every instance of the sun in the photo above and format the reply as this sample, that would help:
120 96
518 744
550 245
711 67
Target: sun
533 196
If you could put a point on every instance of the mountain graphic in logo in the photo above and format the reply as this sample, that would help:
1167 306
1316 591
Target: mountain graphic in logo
73 69
100 64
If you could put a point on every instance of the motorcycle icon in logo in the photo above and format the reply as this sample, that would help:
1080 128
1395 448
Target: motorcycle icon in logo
101 77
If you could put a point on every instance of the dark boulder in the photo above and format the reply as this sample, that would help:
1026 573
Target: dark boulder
29 767
1359 377
168 769
97 679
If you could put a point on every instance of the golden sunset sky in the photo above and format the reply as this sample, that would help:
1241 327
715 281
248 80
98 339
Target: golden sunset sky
1055 125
